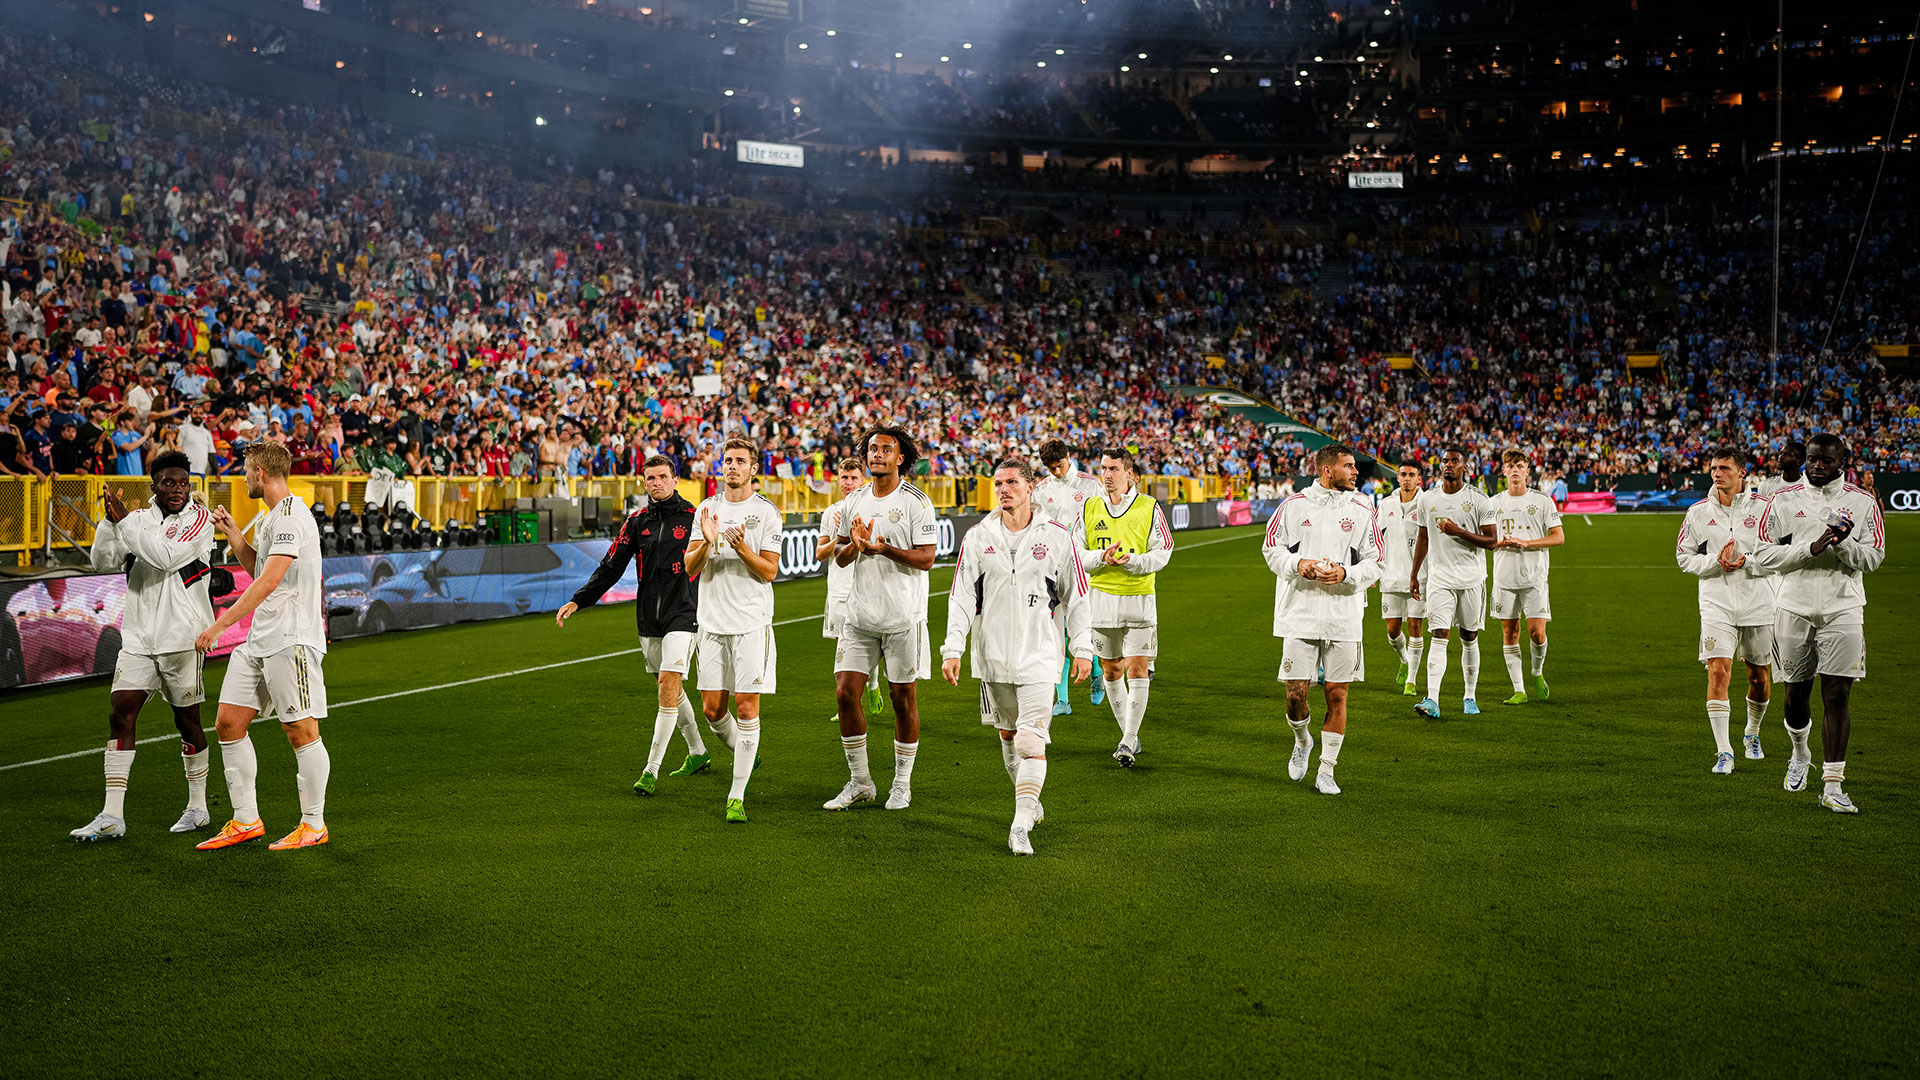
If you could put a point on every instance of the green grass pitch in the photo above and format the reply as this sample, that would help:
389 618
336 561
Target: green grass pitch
1560 888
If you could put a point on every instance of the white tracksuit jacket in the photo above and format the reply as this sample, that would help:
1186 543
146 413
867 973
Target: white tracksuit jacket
1321 523
1814 586
1010 591
1744 597
167 579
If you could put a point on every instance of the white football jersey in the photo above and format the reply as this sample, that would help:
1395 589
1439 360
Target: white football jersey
1744 597
1453 563
1399 531
1063 500
884 596
1530 516
834 522
732 599
294 613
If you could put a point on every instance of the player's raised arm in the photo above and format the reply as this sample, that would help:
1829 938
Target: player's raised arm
109 553
191 541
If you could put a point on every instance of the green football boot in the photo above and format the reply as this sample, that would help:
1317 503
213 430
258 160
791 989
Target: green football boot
1401 675
695 763
1519 698
644 785
736 811
1540 687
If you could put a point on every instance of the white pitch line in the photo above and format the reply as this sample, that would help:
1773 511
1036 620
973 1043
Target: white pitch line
476 679
1588 518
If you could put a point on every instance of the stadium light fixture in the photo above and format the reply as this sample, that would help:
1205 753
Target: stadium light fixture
898 56
796 110
743 22
1296 82
1373 44
803 44
338 64
1041 63
479 33
1213 71
1059 52
1124 67
1319 59
1303 73
943 59
539 121
966 44
728 93
1227 56
1142 56
833 33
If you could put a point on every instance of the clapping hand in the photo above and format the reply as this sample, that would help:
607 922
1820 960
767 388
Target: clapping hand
1731 557
1113 556
736 536
709 526
116 508
862 534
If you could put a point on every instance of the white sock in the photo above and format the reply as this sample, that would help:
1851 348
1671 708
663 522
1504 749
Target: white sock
903 754
1511 653
119 764
1301 735
1137 691
665 719
1470 667
1399 643
1121 704
313 764
1029 777
744 750
1436 667
855 747
1718 713
197 766
241 767
726 730
1539 657
1756 712
1798 736
689 724
1834 774
1416 646
1011 760
1330 749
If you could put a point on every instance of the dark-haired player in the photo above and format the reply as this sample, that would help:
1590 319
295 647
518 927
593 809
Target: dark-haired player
165 549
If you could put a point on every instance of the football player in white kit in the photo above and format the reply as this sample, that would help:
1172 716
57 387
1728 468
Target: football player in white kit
849 475
1793 460
278 666
736 557
887 544
1821 537
1017 579
1324 546
1399 531
165 550
1528 524
1456 529
1736 605
1061 494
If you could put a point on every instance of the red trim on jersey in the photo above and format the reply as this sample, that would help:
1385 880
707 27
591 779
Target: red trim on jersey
1680 546
199 522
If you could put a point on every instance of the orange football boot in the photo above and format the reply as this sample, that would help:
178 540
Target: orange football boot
304 836
233 833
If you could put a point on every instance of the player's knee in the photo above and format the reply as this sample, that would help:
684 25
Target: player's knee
1028 744
1336 694
1297 691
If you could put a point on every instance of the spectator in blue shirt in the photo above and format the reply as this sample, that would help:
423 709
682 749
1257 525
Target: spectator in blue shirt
126 444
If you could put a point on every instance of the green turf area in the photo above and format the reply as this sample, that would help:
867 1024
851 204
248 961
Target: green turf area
1559 888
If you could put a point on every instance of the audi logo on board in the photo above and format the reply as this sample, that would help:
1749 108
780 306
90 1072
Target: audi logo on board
797 546
1908 499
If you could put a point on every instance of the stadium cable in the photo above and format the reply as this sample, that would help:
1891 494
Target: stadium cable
1885 149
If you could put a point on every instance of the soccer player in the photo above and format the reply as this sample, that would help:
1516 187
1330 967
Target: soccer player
736 556
1793 460
278 665
1821 536
850 475
1456 527
1528 524
655 539
886 541
1061 494
1398 606
1018 577
1124 540
165 549
1737 605
1324 545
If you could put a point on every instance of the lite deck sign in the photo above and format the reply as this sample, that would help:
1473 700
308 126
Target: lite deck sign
767 153
1368 180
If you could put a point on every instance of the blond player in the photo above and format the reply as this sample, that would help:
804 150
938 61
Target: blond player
1401 610
1528 524
1737 605
1017 580
736 556
278 665
1125 541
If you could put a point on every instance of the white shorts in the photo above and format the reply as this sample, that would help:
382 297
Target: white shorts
908 654
1833 645
1399 605
289 682
834 622
1120 642
1528 603
175 676
1301 660
673 652
1018 707
1456 609
738 663
1723 642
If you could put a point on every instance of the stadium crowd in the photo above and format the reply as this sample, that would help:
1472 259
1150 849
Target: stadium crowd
376 301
